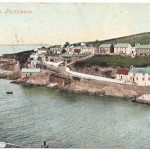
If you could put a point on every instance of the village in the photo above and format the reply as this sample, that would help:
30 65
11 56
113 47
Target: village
61 57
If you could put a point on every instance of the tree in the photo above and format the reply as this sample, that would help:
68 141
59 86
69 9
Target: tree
66 44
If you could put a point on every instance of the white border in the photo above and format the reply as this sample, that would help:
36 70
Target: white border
86 1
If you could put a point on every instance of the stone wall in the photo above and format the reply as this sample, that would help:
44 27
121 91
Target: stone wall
107 88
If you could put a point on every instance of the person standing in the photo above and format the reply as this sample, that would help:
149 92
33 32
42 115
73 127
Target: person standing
44 145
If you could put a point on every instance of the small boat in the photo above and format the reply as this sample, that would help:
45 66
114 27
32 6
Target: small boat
9 92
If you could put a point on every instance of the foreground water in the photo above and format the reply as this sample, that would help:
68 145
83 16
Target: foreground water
70 120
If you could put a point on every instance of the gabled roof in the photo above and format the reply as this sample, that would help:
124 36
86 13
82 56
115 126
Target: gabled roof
123 71
140 70
143 46
118 45
30 70
105 45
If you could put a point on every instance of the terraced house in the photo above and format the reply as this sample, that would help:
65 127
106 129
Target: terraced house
123 48
142 50
122 74
139 76
106 49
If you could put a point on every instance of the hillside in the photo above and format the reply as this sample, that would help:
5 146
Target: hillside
142 38
22 57
113 61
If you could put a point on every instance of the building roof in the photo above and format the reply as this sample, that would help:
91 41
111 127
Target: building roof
105 45
140 70
123 71
118 45
77 47
83 47
143 46
71 55
30 70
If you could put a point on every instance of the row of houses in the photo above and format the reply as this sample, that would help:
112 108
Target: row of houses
124 48
81 49
70 49
109 48
134 75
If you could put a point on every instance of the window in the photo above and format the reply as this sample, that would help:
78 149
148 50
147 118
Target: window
143 79
137 78
148 78
143 74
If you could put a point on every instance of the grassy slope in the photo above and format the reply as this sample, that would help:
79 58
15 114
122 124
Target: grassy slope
142 38
114 61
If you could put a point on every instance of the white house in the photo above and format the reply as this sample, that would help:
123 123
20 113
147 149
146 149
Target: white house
142 50
106 49
84 50
69 49
122 74
34 63
122 48
26 72
42 51
88 49
139 76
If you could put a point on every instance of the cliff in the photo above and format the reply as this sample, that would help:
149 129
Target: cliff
106 88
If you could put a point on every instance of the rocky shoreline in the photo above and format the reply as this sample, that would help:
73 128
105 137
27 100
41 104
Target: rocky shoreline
76 85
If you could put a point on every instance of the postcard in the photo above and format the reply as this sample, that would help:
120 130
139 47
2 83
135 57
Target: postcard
74 75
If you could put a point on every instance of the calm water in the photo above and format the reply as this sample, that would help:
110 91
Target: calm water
15 49
69 120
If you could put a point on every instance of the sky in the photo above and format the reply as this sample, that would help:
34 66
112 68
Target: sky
56 23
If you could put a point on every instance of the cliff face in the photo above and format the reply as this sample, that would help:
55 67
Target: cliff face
9 65
41 79
14 75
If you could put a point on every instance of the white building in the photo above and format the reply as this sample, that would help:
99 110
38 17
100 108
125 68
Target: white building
139 76
84 50
34 63
106 49
122 74
42 51
26 72
69 49
122 48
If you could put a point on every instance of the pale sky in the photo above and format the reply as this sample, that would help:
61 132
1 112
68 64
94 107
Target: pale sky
56 23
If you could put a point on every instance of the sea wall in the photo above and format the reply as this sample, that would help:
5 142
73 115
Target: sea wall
107 88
